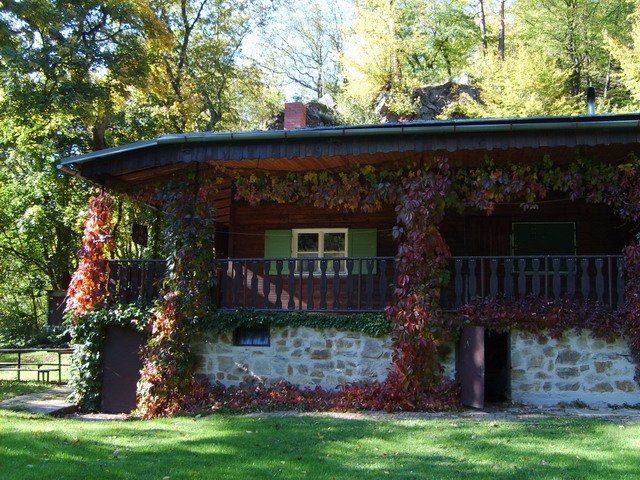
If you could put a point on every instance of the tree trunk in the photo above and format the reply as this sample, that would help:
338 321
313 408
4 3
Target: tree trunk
501 33
607 80
98 132
483 27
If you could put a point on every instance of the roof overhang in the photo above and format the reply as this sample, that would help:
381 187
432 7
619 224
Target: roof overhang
465 142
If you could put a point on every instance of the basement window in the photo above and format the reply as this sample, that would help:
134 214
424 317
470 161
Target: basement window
254 336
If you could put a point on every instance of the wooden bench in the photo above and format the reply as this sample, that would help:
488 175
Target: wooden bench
43 370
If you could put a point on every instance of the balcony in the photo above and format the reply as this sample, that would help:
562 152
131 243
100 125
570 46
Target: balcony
585 277
337 284
366 284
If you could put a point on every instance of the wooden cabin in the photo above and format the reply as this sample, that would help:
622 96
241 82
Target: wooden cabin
292 257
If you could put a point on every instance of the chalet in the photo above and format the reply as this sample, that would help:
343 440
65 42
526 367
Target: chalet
301 257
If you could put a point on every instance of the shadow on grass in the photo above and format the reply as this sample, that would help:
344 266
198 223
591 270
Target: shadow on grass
254 447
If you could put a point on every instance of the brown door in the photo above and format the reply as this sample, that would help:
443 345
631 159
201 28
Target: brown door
121 369
470 366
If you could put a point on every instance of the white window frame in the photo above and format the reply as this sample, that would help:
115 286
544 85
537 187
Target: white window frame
321 254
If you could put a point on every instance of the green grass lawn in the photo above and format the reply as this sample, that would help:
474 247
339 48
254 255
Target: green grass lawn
220 446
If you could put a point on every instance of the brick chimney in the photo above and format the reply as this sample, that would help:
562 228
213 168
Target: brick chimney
295 115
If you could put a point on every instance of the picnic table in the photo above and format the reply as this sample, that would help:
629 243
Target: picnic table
43 369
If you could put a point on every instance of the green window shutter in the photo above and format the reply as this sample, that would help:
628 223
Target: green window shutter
277 244
553 238
363 242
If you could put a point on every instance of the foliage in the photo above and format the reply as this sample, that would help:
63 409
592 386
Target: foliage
632 297
385 396
282 395
421 257
505 92
169 364
88 286
418 43
66 69
627 55
302 46
373 324
543 317
197 79
15 334
87 342
360 189
572 34
437 38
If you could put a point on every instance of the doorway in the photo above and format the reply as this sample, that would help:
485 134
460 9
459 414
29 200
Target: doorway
496 367
483 366
121 367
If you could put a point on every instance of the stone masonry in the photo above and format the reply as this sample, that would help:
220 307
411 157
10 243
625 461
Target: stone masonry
303 356
575 367
543 372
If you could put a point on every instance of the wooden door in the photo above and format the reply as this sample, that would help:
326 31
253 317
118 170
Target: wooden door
121 369
470 366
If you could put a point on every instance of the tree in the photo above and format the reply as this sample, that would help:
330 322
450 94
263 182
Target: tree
524 84
627 56
66 68
197 76
421 42
572 32
302 45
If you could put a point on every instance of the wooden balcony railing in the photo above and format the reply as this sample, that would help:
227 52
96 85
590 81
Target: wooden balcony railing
135 281
366 284
583 277
337 284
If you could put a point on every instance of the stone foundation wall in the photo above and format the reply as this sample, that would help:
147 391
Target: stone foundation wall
575 367
303 356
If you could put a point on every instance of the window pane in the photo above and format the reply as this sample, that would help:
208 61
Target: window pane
342 266
308 242
334 242
257 336
304 264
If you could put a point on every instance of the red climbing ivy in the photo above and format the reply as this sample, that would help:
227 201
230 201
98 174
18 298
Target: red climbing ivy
420 193
362 189
88 286
169 362
632 297
542 317
421 263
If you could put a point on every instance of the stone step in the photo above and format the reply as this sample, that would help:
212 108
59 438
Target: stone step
48 402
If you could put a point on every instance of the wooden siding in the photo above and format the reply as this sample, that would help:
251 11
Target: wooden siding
598 230
250 223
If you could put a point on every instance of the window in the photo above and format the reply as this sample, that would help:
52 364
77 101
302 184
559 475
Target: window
543 238
254 336
320 242
314 243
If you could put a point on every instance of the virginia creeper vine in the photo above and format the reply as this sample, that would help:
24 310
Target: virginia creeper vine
421 193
